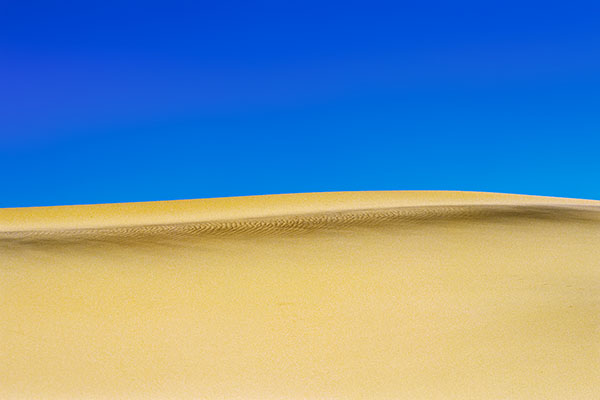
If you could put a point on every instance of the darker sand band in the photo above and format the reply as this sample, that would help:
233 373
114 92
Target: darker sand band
309 222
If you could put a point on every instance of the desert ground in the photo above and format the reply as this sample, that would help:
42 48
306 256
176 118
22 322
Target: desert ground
355 295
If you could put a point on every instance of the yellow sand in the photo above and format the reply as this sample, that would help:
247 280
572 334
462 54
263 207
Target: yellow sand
370 295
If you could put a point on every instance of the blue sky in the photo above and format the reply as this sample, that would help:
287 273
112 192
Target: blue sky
120 101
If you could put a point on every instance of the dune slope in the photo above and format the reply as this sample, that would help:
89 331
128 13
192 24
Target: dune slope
380 295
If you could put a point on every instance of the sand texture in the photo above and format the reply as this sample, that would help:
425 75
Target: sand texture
366 295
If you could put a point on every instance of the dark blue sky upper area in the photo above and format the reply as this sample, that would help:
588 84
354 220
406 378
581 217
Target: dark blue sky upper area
131 101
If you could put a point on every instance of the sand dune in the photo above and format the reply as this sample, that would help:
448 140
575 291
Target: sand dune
379 295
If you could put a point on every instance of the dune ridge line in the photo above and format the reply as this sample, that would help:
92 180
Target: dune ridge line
330 219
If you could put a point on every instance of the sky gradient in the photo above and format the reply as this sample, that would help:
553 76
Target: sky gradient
139 101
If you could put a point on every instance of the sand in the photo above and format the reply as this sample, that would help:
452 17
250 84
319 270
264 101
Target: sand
367 295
